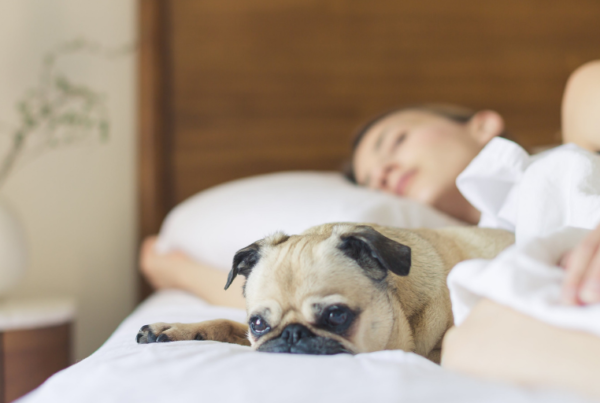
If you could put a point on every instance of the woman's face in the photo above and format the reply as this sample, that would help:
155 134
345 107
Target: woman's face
418 154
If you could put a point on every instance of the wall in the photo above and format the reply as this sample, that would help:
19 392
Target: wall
77 202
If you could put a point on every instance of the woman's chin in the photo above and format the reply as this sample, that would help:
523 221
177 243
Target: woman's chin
427 196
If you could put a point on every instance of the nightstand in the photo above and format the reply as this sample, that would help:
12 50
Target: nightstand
35 342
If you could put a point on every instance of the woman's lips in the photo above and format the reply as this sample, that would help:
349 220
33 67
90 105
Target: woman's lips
403 182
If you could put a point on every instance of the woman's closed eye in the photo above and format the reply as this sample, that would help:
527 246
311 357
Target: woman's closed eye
376 180
398 140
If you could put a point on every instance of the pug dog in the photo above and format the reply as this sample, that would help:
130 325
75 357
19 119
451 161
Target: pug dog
344 288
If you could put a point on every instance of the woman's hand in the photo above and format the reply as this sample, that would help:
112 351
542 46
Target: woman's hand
164 270
582 264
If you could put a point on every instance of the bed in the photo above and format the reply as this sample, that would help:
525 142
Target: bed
122 371
235 88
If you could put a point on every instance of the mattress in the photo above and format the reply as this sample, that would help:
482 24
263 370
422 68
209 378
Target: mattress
208 371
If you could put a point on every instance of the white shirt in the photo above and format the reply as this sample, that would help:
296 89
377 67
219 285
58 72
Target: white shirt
533 196
550 201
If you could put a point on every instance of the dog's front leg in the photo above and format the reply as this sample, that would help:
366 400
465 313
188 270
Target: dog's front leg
222 330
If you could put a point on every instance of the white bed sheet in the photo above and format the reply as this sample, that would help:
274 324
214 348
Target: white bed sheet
207 371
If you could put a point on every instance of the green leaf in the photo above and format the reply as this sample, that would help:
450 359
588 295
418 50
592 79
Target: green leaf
26 116
62 83
19 136
45 110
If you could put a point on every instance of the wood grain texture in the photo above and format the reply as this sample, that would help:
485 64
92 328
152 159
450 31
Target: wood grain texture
32 356
2 376
155 190
261 86
154 149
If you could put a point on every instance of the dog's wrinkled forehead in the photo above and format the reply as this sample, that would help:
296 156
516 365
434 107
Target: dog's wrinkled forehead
275 239
375 253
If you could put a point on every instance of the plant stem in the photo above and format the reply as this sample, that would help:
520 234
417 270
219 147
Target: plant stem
11 158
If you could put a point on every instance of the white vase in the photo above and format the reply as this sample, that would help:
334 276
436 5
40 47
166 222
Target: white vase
13 248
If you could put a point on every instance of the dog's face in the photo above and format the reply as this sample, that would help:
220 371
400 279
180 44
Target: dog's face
327 291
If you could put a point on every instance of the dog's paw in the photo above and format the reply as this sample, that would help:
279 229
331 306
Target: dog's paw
217 330
155 333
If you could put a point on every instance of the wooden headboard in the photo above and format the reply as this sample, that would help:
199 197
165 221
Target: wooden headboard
232 88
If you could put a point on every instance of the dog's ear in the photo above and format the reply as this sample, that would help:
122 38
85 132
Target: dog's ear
375 253
243 262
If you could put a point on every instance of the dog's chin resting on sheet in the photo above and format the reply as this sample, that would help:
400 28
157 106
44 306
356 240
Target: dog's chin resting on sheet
345 288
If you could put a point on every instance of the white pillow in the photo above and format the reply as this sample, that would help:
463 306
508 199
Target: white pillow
212 225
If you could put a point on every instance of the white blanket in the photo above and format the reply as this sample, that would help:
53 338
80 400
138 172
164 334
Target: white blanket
207 371
550 201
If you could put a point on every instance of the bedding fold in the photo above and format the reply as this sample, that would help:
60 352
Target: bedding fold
525 278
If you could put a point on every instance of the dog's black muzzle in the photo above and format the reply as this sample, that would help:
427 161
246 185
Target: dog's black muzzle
298 339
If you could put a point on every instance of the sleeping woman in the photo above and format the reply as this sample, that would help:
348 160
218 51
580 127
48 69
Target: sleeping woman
418 152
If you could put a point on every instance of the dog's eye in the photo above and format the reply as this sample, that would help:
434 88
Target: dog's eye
258 325
337 317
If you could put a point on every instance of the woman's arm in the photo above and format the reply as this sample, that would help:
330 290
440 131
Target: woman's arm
581 107
177 270
496 342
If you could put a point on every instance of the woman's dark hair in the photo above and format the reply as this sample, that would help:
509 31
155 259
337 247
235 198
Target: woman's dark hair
456 113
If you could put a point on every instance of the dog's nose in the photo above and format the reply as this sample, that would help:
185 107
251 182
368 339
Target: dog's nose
295 332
